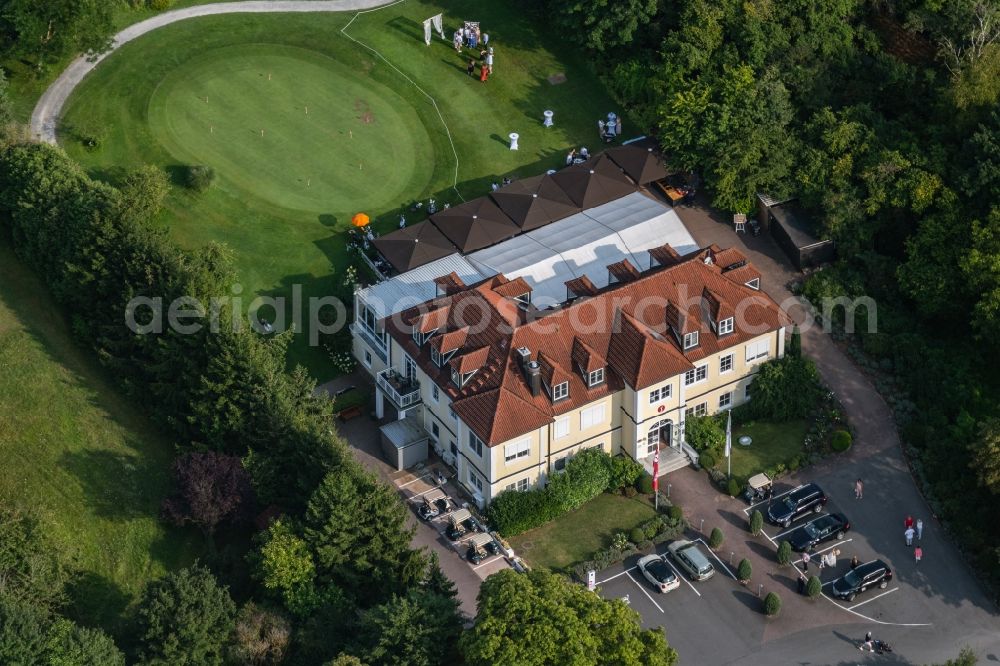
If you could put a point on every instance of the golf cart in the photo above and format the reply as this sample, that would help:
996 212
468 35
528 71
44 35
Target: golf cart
479 544
458 524
435 502
759 488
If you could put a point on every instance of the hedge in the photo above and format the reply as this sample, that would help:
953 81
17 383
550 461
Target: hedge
756 522
587 475
716 538
840 441
784 553
814 587
602 559
772 604
744 571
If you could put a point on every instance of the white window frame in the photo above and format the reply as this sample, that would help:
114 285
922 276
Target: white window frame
435 393
754 283
596 377
560 391
726 326
696 375
661 393
368 359
435 431
556 465
518 449
726 400
475 480
722 363
592 416
475 444
560 428
451 411
758 351
436 357
691 340
701 409
518 486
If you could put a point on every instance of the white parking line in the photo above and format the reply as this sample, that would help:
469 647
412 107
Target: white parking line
680 576
418 495
873 598
419 478
643 588
767 501
601 582
712 553
489 561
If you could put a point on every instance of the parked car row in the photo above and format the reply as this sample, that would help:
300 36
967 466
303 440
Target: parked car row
688 558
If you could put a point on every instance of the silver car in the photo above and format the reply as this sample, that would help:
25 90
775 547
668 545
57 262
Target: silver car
659 573
691 560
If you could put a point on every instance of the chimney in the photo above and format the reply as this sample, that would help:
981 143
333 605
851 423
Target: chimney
531 369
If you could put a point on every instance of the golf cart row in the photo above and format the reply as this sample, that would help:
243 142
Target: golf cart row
461 522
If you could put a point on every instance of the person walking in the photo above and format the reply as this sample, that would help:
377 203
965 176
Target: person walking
855 562
859 489
802 585
918 552
600 128
920 529
805 562
909 536
486 39
484 73
457 40
908 522
471 67
489 59
618 126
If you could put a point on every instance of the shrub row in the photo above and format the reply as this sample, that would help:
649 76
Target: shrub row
587 474
663 529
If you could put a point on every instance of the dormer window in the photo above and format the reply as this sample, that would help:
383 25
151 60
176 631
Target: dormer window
725 326
754 283
417 336
459 379
690 340
435 357
596 377
560 391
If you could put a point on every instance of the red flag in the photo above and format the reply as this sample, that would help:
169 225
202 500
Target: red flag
656 471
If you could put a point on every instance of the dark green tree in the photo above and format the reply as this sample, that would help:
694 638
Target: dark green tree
185 619
514 626
602 24
43 32
420 629
31 569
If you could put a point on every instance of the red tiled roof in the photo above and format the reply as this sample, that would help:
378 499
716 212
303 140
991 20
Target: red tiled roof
450 283
665 255
450 341
623 271
581 286
635 342
513 289
433 320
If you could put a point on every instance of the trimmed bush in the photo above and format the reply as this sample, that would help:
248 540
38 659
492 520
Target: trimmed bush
675 512
840 441
706 459
652 527
814 587
716 538
772 604
784 553
744 572
619 541
733 487
623 472
756 523
199 177
636 535
706 434
645 484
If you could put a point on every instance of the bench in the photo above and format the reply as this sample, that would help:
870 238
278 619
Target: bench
349 413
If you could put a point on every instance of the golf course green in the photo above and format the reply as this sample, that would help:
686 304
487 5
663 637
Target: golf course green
390 121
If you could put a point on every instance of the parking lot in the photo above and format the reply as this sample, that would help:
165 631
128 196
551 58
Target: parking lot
416 485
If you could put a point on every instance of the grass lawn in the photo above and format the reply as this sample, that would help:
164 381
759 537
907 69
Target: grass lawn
372 141
773 443
578 535
79 456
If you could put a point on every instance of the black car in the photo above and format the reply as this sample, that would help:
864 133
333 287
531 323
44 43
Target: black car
824 528
796 504
861 578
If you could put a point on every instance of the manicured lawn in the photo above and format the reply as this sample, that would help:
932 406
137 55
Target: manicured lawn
773 443
371 141
79 456
576 536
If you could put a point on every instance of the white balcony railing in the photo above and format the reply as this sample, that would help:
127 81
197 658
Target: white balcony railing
403 391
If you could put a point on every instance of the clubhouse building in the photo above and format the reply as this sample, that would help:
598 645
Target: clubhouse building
605 328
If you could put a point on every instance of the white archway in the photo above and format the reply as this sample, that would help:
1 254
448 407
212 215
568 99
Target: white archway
659 433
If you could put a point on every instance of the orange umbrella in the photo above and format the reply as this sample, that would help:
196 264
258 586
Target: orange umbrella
360 220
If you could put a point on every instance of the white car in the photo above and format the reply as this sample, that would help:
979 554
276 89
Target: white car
659 573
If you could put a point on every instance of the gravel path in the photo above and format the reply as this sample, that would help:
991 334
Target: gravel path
49 107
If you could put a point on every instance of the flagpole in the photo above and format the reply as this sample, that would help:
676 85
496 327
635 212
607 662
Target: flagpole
729 445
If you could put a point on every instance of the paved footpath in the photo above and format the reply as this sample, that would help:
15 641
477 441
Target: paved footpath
46 113
947 595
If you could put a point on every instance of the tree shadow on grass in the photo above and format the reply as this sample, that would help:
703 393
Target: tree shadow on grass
98 601
116 485
410 28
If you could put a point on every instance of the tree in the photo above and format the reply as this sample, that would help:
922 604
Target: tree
986 455
784 555
795 343
46 31
756 522
30 635
185 619
981 268
966 657
31 569
6 107
772 604
515 626
143 191
744 571
814 587
602 24
784 389
706 433
284 565
211 487
420 629
436 581
357 530
72 645
260 638
716 538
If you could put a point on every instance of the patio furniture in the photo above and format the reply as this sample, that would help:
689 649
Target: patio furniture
740 222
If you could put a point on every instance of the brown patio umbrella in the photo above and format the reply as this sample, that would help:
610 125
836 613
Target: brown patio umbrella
414 246
594 182
534 202
641 164
475 224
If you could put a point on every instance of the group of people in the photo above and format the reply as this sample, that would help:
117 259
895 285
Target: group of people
610 129
874 645
574 157
485 66
494 186
470 36
911 528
